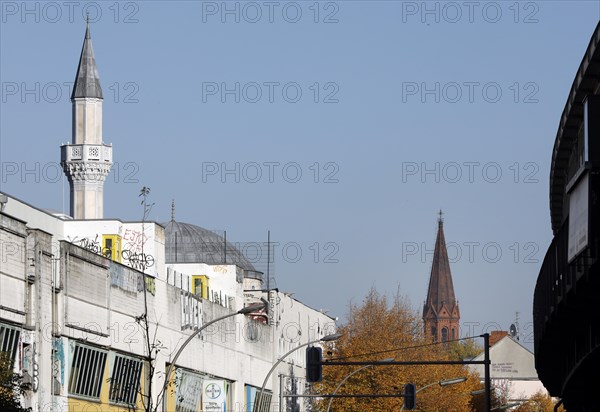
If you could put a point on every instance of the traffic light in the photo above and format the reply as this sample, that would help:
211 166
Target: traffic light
410 396
314 370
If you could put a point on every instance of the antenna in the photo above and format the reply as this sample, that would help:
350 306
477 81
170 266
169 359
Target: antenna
514 328
268 259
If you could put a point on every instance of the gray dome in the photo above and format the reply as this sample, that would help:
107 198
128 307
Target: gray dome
186 243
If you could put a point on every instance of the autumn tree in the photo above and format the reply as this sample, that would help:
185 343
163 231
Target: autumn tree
539 402
376 330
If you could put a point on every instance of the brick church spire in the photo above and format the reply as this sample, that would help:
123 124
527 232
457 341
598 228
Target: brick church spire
440 311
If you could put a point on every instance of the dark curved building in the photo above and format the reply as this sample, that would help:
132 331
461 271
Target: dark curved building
565 306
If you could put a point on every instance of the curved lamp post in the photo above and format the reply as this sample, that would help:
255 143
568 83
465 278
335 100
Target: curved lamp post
506 406
327 338
349 376
244 311
445 382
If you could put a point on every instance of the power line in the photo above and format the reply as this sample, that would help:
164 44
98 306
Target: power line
403 348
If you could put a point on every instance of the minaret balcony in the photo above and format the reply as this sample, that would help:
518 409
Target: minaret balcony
86 153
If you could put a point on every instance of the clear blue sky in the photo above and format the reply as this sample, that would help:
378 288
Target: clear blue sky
401 90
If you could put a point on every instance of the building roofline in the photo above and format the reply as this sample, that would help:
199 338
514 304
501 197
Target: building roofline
45 211
31 206
481 355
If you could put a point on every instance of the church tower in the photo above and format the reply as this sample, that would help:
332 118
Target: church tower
87 160
440 311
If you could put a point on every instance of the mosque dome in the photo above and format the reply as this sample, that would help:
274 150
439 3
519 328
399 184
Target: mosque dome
187 243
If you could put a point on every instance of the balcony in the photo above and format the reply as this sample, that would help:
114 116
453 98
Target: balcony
553 283
86 152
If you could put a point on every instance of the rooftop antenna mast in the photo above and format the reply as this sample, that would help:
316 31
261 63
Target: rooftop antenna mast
172 210
268 260
514 328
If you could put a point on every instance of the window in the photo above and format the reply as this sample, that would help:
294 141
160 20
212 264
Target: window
9 340
200 286
189 390
251 398
453 334
444 334
111 247
87 370
125 380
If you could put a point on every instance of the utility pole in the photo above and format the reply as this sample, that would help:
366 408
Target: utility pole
486 366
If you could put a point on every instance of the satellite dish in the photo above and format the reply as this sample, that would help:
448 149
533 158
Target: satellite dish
513 331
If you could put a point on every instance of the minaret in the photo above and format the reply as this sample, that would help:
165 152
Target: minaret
87 160
440 311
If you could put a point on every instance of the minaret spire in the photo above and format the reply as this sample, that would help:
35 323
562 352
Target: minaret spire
87 80
87 160
440 312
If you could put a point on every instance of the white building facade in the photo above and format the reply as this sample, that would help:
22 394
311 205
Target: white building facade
70 318
512 369
93 310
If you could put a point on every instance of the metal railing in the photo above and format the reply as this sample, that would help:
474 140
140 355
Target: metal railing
553 283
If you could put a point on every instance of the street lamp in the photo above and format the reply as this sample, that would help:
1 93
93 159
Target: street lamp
349 376
443 382
244 311
506 406
326 338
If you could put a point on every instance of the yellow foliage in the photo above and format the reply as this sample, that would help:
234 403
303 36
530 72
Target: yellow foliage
376 331
539 402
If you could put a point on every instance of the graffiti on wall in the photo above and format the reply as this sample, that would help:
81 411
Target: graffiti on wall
93 246
30 365
58 366
130 281
131 253
134 240
191 312
137 260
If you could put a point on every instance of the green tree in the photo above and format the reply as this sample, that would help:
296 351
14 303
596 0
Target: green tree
464 350
11 386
